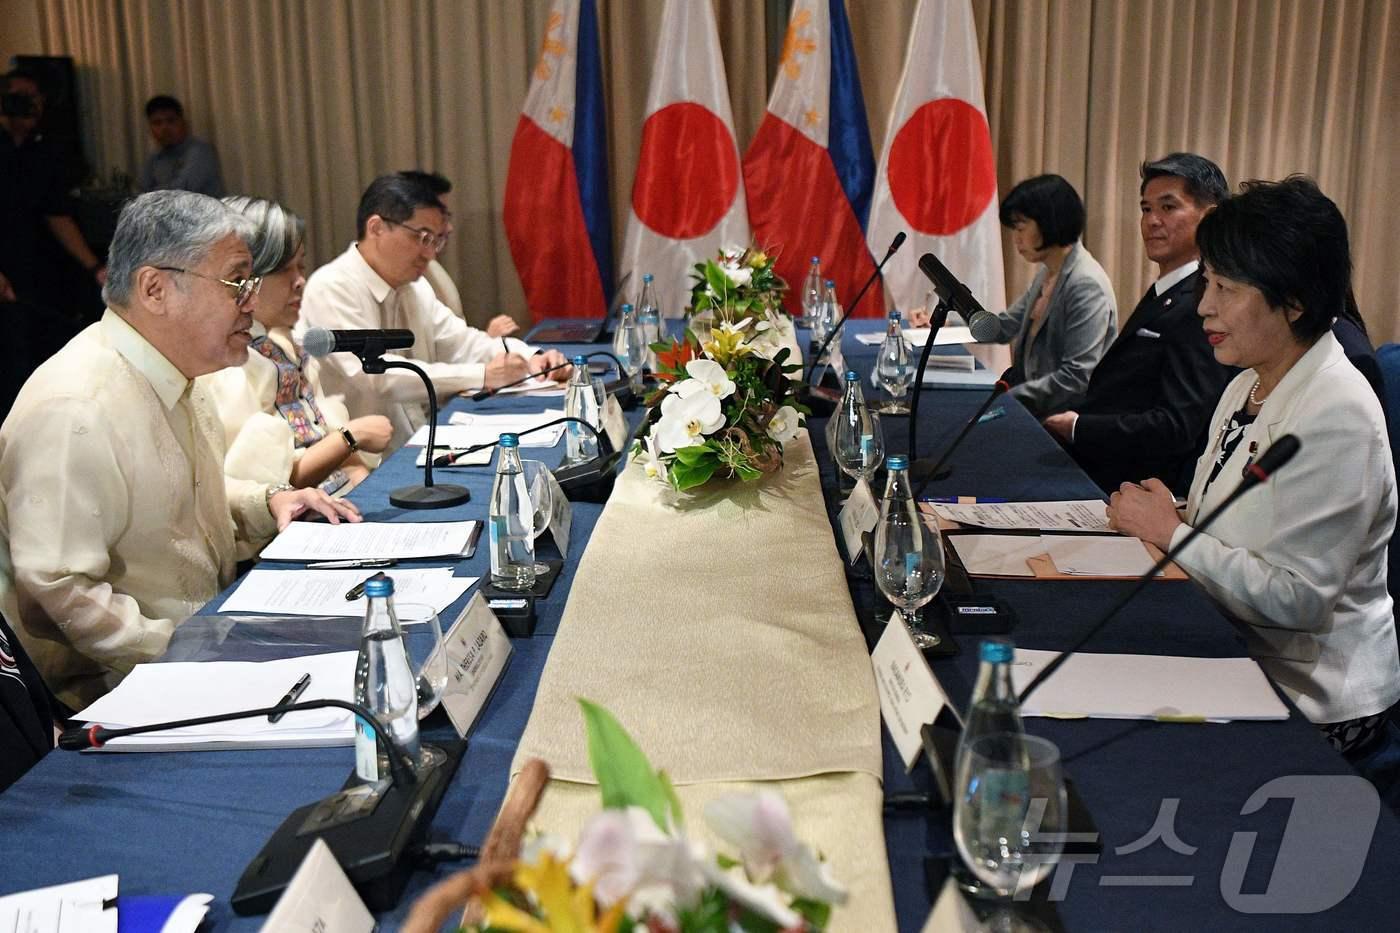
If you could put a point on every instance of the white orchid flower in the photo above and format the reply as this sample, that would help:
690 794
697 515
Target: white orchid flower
760 825
763 899
651 460
738 275
624 854
784 425
686 420
711 378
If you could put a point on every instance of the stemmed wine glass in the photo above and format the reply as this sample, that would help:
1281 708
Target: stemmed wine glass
422 641
537 481
860 444
908 563
894 374
1009 817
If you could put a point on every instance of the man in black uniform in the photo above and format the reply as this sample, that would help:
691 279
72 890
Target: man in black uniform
1151 396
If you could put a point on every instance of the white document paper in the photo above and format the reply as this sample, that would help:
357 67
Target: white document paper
157 692
1074 515
369 541
910 695
477 651
997 555
1093 556
539 385
467 429
76 907
322 592
947 334
859 515
952 378
1140 686
320 898
871 338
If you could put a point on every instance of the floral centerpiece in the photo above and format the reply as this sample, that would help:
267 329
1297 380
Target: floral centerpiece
738 283
725 407
634 869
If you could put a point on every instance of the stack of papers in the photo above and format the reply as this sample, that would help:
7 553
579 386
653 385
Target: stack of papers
80 907
918 336
467 429
369 541
322 592
1006 555
158 692
536 386
1074 515
1139 686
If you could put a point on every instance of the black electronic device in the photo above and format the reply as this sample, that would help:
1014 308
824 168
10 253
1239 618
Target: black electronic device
580 330
370 828
515 610
937 319
1257 472
586 481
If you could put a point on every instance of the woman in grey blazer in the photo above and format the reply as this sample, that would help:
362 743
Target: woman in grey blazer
1066 320
1300 563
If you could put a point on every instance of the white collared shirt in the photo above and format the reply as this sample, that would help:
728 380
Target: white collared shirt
347 294
1178 274
118 519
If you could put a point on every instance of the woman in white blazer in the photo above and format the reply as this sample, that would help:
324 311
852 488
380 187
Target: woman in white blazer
279 426
1300 562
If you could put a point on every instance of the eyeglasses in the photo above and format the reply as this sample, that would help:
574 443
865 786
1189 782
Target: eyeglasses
426 238
243 289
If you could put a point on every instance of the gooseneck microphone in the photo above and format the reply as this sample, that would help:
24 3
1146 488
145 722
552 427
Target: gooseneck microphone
588 481
1268 463
983 325
895 244
318 341
935 324
920 470
604 442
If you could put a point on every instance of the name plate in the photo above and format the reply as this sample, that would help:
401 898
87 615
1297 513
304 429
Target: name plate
477 651
320 898
909 693
859 515
614 424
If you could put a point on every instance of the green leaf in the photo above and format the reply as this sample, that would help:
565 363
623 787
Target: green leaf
717 280
689 475
625 777
677 816
816 913
696 453
726 862
710 915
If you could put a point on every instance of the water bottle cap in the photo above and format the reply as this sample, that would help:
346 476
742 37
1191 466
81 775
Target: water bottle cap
646 277
816 260
997 652
897 462
580 361
509 440
380 586
830 283
896 316
851 376
626 308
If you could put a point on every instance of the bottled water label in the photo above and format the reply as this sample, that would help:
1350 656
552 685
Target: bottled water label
366 751
499 532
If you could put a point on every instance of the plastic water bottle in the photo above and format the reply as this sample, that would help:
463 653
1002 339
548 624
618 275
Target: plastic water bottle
384 683
649 316
511 519
632 348
580 401
994 706
812 292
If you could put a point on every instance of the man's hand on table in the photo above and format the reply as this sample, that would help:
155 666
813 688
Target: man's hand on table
502 325
291 504
547 358
1061 426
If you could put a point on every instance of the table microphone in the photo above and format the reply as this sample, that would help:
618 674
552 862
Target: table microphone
371 828
586 481
1257 472
895 244
922 473
318 341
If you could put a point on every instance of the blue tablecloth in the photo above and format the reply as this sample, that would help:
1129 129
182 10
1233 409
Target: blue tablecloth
178 823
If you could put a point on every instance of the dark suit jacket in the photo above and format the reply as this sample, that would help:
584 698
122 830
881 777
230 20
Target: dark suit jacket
1150 398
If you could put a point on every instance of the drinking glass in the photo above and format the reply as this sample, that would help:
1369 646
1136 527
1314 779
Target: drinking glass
541 504
909 566
1009 817
860 445
422 640
894 374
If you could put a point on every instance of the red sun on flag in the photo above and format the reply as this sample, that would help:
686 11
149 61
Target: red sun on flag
941 171
670 195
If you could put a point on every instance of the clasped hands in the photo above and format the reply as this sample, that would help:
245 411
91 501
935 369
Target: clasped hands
1146 511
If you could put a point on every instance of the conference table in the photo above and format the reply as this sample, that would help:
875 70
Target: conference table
1183 845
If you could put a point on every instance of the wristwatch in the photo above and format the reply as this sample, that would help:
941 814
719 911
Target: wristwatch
274 489
349 440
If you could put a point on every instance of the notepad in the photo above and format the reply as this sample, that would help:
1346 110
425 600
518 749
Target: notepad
1098 555
997 555
78 907
304 541
949 334
1139 686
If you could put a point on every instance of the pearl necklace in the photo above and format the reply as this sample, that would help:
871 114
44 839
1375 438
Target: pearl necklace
1253 399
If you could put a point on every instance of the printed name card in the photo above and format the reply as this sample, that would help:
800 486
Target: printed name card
909 693
320 898
477 651
614 424
859 515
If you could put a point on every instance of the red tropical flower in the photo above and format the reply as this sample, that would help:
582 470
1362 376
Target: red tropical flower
672 362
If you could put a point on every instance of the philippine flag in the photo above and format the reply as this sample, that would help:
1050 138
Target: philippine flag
688 194
556 210
937 176
809 171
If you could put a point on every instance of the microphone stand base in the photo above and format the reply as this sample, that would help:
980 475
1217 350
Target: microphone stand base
437 496
372 844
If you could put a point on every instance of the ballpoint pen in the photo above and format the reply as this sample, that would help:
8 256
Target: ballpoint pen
351 564
359 588
292 696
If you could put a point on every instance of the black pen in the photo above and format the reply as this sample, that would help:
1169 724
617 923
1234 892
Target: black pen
292 696
359 589
506 345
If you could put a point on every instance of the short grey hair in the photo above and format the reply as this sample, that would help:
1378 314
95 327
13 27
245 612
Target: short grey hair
279 232
167 228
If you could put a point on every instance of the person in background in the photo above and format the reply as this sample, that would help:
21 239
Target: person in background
1065 321
502 325
116 518
278 425
28 711
182 162
1148 400
1299 564
378 283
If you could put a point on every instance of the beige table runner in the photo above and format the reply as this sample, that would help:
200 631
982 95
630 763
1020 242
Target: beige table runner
718 628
